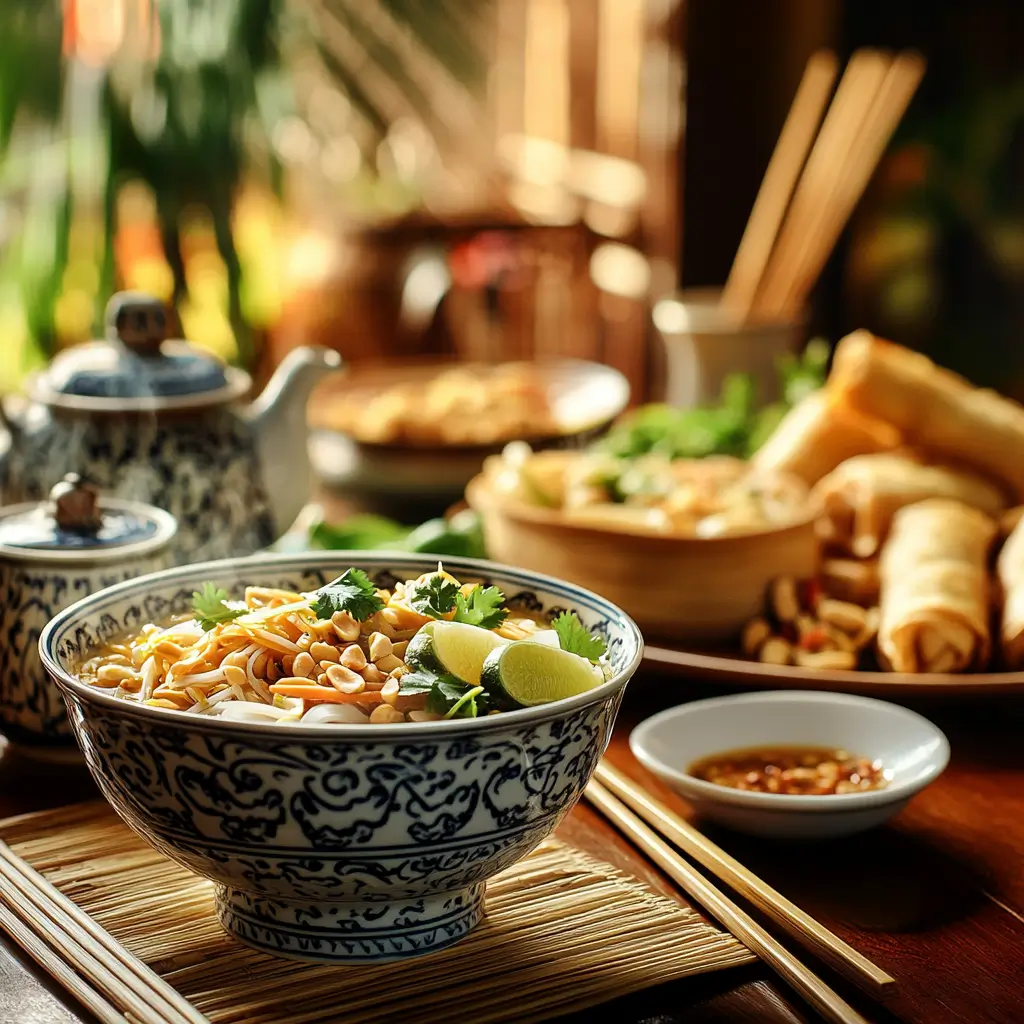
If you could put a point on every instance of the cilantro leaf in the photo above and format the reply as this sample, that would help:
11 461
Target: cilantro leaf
482 608
351 592
573 637
435 596
447 695
209 606
420 681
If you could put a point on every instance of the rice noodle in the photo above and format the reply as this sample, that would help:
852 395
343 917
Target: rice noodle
182 667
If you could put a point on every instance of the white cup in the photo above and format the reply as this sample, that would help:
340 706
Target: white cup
703 345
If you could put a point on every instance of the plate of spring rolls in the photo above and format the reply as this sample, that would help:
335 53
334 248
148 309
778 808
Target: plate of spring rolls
918 477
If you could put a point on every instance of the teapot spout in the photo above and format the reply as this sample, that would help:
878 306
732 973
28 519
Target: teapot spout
278 419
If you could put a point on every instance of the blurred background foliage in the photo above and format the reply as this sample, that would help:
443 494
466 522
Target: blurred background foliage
147 144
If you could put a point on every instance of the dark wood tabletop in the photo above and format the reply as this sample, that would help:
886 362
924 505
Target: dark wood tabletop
936 897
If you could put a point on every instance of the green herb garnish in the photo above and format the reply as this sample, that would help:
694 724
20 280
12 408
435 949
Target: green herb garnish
359 532
482 608
435 596
352 592
574 638
447 695
210 607
461 535
735 425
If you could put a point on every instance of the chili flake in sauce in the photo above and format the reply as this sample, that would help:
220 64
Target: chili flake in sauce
792 771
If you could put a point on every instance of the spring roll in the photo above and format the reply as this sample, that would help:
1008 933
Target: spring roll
818 434
1010 572
934 588
859 497
935 409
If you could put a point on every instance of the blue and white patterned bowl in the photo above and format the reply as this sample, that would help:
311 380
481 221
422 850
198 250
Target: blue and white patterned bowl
347 844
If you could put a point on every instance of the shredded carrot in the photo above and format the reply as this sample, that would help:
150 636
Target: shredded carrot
327 695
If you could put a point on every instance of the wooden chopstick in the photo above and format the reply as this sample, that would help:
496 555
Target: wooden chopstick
58 969
111 969
778 183
788 916
838 137
890 103
804 981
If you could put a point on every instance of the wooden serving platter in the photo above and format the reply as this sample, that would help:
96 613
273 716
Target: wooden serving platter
731 669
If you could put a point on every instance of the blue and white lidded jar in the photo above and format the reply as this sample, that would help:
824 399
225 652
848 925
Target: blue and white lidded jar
51 555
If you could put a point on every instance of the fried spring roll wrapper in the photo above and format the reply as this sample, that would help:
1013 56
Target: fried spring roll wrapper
934 409
860 497
1010 572
819 433
934 588
1009 519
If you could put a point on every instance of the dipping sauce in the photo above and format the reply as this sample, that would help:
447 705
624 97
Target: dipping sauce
791 771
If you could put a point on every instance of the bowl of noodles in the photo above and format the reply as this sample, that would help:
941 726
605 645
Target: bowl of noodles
348 744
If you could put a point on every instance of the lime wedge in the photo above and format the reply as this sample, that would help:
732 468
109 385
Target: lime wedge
525 673
453 647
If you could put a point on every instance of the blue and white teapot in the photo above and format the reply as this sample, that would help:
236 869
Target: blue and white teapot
157 420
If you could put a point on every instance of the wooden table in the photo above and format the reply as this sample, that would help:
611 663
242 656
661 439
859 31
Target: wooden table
936 898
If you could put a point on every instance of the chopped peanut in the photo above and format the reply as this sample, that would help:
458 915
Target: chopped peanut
826 659
345 626
389 663
345 680
384 714
850 618
352 657
755 633
785 605
380 647
323 652
776 650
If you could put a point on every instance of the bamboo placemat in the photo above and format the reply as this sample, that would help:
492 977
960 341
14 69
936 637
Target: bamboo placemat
563 931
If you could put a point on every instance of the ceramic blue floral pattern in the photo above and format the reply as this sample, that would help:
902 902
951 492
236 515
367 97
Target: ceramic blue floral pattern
203 470
342 844
31 709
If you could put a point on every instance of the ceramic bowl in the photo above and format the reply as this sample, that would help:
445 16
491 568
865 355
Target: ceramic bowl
586 397
684 589
913 749
347 844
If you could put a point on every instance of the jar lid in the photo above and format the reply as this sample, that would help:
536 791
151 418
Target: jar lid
137 362
77 524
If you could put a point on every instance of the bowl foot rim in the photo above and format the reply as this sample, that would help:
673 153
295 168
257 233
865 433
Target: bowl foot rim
349 932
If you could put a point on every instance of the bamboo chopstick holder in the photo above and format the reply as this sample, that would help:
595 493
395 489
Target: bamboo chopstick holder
800 925
58 969
91 950
787 160
848 110
804 981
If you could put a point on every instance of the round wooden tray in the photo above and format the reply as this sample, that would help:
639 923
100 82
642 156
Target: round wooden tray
734 670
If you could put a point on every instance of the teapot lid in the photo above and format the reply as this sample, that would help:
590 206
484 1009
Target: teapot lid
137 365
76 524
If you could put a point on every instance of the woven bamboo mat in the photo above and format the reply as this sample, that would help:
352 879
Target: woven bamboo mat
563 931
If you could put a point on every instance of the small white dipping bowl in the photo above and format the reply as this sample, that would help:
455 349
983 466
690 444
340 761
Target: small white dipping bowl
909 746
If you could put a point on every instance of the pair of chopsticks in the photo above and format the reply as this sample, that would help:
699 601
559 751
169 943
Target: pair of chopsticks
795 224
80 955
628 805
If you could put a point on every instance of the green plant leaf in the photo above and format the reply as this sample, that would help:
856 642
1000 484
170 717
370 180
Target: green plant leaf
352 592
